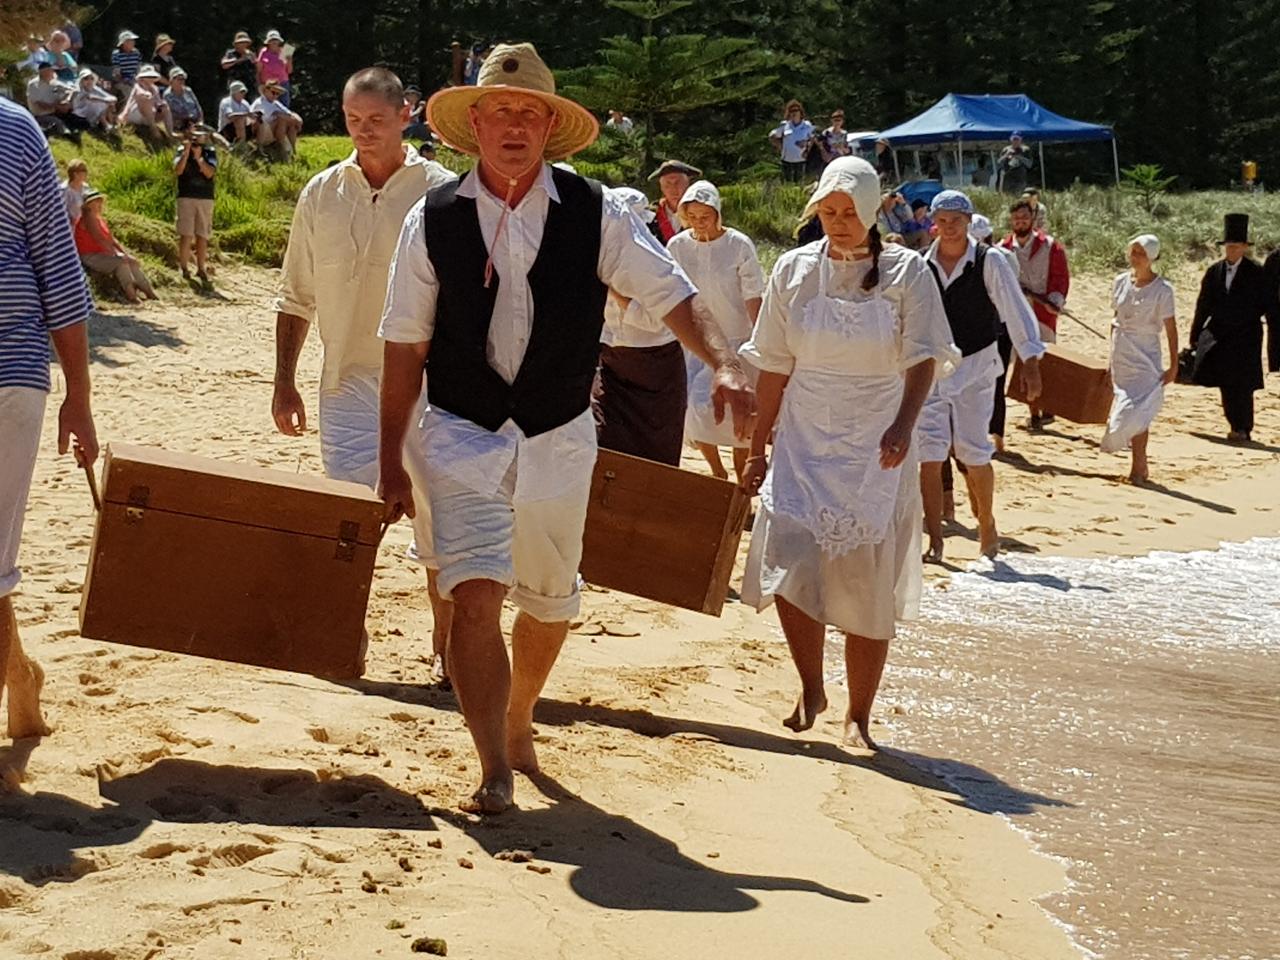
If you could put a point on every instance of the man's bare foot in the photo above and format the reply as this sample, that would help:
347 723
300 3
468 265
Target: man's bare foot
494 796
439 674
858 733
25 681
988 541
934 553
520 751
948 507
1138 479
806 712
998 440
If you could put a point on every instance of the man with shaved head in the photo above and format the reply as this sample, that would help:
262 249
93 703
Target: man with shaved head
345 228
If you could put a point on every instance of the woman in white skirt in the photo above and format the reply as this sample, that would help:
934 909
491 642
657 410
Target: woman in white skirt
722 264
1143 303
849 339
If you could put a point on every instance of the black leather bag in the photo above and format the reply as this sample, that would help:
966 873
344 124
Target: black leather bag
1190 359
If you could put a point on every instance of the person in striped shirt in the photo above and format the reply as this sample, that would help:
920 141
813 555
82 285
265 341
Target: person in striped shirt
126 58
42 296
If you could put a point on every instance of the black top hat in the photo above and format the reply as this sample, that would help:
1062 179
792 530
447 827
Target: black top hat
1235 229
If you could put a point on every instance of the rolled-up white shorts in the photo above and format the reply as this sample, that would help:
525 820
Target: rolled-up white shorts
532 547
349 449
21 417
961 420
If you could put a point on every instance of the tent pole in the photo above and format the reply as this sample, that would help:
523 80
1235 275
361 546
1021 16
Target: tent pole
1041 146
897 171
916 156
960 164
1115 158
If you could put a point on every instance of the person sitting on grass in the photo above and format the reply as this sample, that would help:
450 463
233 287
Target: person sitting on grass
146 110
235 115
195 167
417 128
49 101
73 188
93 104
126 60
64 62
276 122
184 108
101 252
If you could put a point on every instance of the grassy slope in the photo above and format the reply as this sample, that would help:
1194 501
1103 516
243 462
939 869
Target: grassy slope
255 204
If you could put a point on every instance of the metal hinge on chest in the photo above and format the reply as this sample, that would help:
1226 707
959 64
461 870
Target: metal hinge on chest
139 498
348 536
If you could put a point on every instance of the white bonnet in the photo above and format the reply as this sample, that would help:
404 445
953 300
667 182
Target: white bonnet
855 178
701 191
1148 242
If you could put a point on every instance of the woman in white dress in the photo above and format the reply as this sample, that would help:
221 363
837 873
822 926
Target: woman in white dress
849 339
1143 304
722 264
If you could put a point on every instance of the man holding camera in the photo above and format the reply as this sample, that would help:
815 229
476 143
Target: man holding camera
195 165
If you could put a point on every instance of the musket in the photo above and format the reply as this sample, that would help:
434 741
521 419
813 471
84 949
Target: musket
1041 298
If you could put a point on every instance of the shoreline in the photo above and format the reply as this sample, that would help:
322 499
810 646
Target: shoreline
208 807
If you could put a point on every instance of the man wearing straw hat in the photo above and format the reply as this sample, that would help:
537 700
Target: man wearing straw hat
499 287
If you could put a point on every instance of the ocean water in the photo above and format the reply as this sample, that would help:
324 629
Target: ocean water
1125 713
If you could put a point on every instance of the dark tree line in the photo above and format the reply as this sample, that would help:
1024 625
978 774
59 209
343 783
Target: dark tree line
1192 85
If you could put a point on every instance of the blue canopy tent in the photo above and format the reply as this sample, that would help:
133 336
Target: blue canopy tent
978 120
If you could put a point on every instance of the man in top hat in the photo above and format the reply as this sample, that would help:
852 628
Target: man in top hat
345 228
499 286
982 298
673 178
1227 331
1013 164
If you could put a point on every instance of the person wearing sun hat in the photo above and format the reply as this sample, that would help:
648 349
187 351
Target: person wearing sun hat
145 108
162 57
276 123
126 59
498 287
239 63
236 122
723 265
1226 333
850 335
673 177
982 299
184 107
275 65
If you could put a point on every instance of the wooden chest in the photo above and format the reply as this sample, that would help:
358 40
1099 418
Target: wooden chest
662 533
1075 388
231 562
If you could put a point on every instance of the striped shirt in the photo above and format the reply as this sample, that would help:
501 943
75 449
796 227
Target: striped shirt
41 285
127 62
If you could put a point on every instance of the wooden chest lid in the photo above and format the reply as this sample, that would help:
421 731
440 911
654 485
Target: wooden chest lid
155 479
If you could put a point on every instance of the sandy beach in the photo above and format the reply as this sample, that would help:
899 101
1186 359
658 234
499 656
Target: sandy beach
188 808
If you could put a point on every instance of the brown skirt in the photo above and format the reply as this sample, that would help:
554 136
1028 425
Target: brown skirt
639 401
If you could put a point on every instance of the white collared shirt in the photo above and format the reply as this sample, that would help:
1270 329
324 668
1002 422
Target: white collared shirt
340 246
630 261
1232 268
1015 312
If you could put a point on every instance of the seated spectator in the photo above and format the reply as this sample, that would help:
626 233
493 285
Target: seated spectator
64 62
184 108
74 36
275 66
884 163
417 128
617 121
100 252
235 115
145 109
37 54
163 60
126 59
919 232
238 63
93 104
49 101
276 123
73 188
894 215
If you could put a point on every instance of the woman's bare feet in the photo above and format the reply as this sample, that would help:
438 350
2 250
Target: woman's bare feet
858 733
808 707
520 752
25 681
494 796
988 540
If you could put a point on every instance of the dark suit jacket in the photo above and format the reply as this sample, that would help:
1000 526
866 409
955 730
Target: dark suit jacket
1234 318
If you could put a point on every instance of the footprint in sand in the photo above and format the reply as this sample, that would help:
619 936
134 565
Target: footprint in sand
232 855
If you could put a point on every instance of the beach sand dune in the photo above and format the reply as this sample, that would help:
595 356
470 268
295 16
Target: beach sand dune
187 808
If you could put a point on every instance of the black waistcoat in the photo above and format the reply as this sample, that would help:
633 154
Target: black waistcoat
975 321
553 384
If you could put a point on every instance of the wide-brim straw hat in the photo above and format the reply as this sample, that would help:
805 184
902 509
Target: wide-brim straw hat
241 37
512 68
147 72
163 39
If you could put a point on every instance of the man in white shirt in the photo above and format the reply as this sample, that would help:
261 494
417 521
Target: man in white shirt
498 287
617 121
345 227
276 122
981 294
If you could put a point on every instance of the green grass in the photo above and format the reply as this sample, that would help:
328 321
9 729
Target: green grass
255 201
